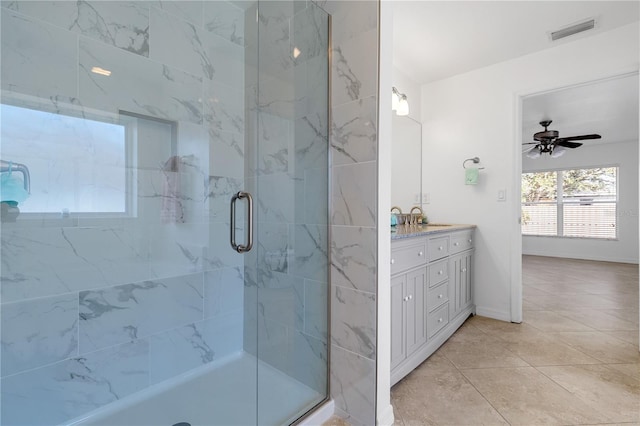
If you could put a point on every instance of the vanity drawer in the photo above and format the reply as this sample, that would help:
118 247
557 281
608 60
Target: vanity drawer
437 320
438 248
461 241
436 296
438 272
408 256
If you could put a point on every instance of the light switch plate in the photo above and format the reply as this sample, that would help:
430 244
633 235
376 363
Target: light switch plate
425 198
502 195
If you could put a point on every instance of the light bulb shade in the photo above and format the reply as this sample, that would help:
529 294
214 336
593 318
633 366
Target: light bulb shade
395 101
403 107
558 151
534 153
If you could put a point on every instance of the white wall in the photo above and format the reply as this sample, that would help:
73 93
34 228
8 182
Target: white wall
478 114
625 249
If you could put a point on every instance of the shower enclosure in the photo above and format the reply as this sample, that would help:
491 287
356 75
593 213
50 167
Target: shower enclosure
170 261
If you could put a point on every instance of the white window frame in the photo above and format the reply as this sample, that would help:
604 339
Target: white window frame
560 203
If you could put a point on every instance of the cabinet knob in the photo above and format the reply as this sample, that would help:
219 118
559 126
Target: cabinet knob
440 272
420 253
440 320
405 298
470 240
464 269
439 296
393 261
456 244
410 296
440 248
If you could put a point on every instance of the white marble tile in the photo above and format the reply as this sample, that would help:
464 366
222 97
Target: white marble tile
123 24
310 256
274 134
223 291
37 59
354 132
180 249
281 298
315 309
353 68
310 32
310 362
48 261
179 44
275 199
179 350
351 18
224 108
219 190
353 258
118 314
188 10
38 332
273 247
274 343
225 20
219 253
70 388
226 153
316 196
353 385
354 194
311 142
137 85
353 321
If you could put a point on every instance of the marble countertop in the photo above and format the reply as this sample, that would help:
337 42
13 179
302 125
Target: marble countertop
402 231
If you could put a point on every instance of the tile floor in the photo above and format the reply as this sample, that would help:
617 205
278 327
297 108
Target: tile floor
574 359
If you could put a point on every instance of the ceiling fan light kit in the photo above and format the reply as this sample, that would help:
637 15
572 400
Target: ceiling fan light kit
548 141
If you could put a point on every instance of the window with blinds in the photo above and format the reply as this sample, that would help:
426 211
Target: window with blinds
578 203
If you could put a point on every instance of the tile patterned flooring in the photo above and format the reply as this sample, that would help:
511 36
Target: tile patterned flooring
573 361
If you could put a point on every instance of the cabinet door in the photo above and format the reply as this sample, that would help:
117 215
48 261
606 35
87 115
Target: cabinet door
398 319
416 307
461 265
465 275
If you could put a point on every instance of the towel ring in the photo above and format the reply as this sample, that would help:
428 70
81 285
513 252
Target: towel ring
475 160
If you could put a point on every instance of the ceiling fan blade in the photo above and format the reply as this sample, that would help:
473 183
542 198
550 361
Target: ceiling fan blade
568 144
579 138
531 143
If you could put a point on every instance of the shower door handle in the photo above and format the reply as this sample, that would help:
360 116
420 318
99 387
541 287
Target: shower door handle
249 229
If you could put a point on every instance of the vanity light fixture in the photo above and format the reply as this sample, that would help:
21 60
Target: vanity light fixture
296 52
399 102
101 71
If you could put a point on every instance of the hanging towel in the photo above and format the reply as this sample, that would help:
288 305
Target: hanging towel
471 176
172 210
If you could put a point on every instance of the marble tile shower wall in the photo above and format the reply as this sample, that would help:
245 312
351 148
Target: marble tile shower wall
289 169
96 309
354 196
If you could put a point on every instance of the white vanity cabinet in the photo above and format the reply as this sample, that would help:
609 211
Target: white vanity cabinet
431 293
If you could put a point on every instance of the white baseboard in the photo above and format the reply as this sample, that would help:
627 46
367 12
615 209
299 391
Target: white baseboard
386 418
602 257
492 313
321 415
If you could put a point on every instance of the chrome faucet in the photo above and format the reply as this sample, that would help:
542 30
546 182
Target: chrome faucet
414 218
6 166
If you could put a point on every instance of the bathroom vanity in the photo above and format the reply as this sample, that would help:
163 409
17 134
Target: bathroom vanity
431 290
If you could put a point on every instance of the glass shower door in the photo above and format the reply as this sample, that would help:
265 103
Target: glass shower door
123 141
127 130
290 175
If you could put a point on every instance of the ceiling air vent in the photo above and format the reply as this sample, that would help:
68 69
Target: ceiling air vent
573 29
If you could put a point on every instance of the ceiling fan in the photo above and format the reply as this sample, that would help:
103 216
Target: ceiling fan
548 141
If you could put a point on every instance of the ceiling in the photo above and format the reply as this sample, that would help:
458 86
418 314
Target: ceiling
438 39
608 108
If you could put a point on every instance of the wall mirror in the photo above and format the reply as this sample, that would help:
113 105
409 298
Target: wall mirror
406 168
